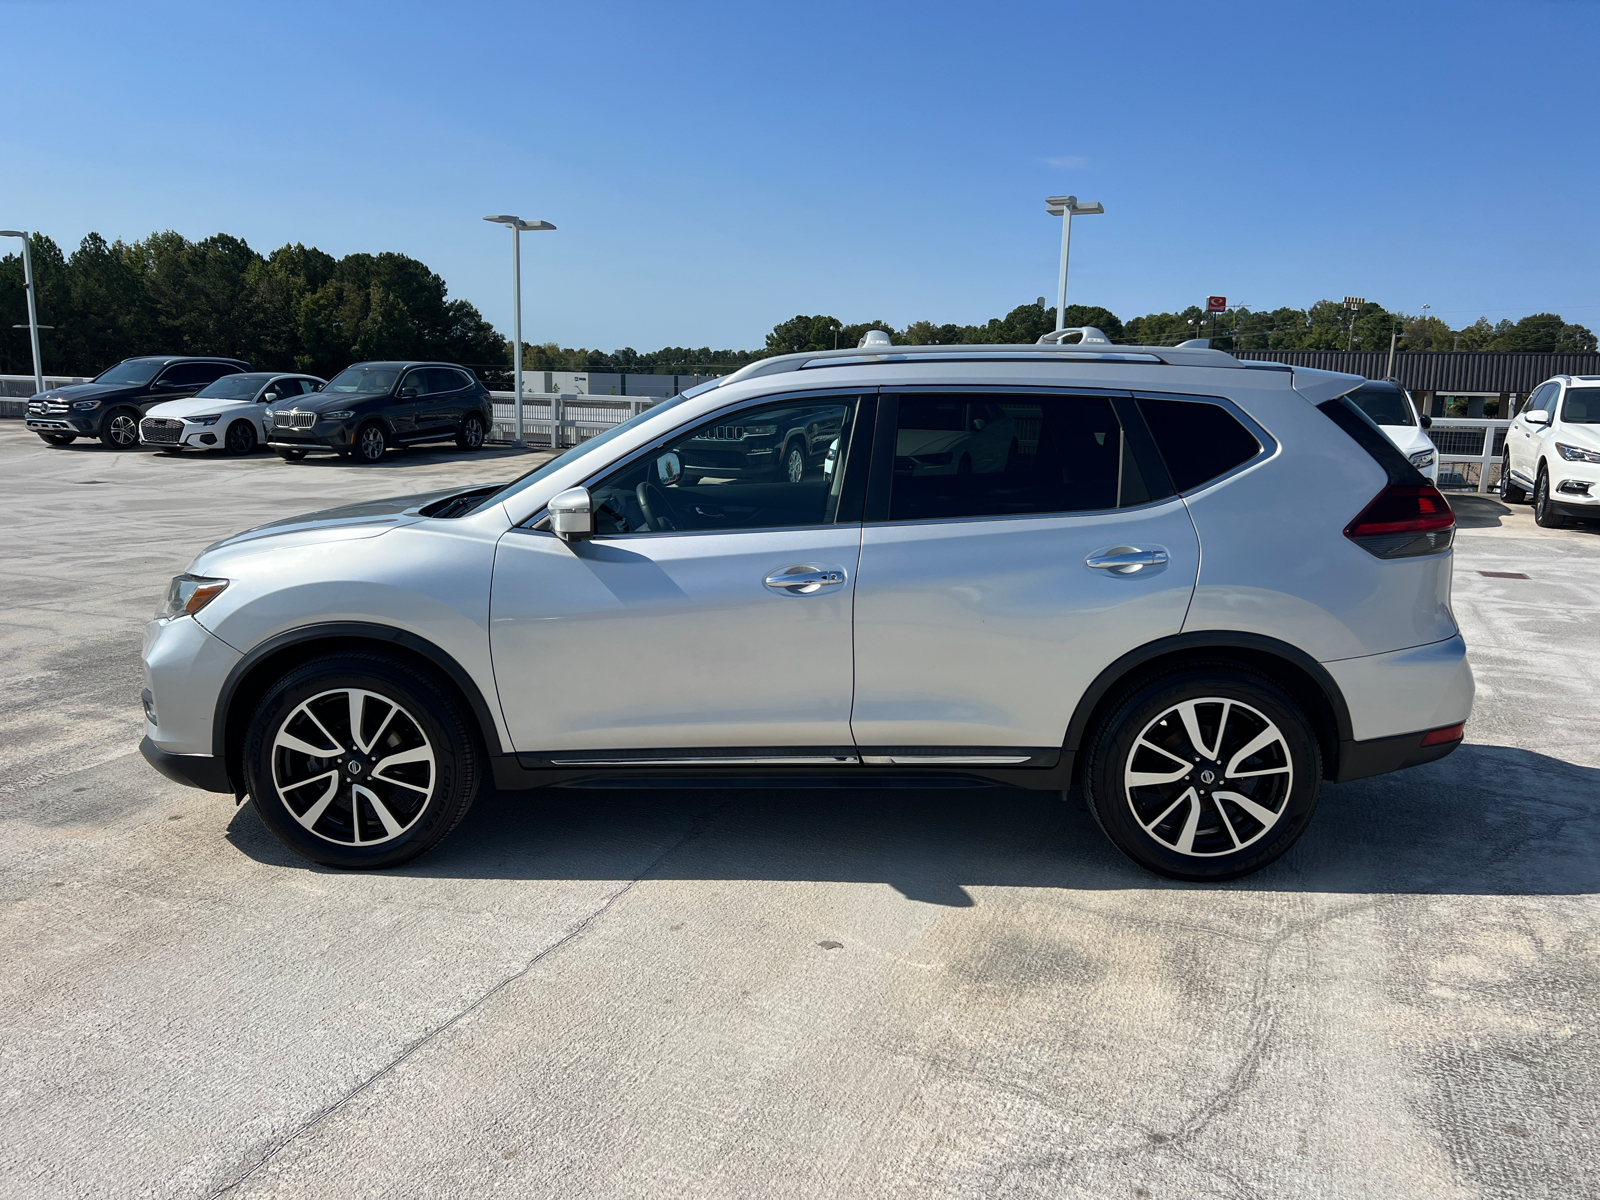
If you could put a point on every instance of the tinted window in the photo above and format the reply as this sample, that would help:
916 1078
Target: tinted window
287 388
190 374
419 381
1198 441
768 467
973 456
443 379
233 387
133 373
363 381
1582 406
1385 404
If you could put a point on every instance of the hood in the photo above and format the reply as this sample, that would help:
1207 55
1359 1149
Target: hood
84 391
367 519
194 407
320 402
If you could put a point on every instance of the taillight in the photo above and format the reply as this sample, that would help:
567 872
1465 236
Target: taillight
1403 521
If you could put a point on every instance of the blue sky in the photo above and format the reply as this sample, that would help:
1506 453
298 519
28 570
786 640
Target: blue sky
716 168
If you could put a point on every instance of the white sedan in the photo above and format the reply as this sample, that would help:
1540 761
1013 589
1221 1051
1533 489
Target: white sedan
1392 408
225 415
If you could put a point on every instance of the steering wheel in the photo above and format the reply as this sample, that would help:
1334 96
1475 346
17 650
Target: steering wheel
657 508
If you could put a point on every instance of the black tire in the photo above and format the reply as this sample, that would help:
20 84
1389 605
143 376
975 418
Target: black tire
1144 730
291 455
59 439
240 439
473 432
375 815
370 444
792 462
120 429
1510 491
1545 513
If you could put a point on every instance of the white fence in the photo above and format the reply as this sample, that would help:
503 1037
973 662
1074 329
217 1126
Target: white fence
1470 450
564 419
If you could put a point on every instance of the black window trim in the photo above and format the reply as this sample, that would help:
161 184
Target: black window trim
867 401
1269 444
1141 442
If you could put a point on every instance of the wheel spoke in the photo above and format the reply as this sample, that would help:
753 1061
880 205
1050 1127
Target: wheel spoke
1256 774
377 737
1265 815
1191 726
314 814
333 741
1190 825
358 703
1260 742
420 754
390 825
1189 794
1227 824
287 741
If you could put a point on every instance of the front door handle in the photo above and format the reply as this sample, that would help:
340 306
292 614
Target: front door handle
805 579
1126 560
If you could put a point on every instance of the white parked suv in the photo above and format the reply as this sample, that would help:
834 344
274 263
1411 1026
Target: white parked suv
1391 406
225 415
1553 451
1196 588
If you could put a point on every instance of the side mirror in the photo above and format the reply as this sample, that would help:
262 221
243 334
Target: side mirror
669 468
1537 416
269 397
408 393
572 515
1427 421
317 387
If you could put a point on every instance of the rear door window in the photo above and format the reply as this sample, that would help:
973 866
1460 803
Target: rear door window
443 379
1199 441
972 455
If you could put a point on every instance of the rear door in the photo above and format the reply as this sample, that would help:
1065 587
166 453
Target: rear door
989 597
447 395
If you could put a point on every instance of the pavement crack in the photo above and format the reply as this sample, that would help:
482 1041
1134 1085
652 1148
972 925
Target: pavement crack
696 827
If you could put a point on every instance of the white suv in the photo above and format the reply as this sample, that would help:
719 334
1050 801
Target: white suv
1553 451
1192 586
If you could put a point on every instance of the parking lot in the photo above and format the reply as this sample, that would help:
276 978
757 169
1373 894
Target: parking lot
787 992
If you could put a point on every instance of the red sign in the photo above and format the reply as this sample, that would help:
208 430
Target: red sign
1216 304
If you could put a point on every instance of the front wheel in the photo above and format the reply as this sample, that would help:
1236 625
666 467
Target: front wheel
240 438
1510 491
1545 513
358 761
370 444
59 439
1204 773
473 434
121 430
291 455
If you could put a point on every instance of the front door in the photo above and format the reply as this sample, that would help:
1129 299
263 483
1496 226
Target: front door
709 619
989 597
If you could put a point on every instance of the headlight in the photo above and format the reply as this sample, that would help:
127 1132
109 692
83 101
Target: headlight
266 417
1577 453
208 419
85 405
339 416
188 594
1422 458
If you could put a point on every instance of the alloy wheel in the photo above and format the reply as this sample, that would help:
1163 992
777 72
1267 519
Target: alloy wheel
1208 777
353 767
473 433
241 438
794 464
371 445
124 430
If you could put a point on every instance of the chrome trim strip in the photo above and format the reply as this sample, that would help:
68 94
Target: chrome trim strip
732 760
946 760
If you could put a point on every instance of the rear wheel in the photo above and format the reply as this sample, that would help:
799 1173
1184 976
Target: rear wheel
1205 773
793 466
370 444
1510 491
1545 513
240 438
59 439
472 433
358 761
121 429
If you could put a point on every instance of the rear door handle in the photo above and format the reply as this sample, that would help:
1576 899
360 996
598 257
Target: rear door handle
1127 560
805 579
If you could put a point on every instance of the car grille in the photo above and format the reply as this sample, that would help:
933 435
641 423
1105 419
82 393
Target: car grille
47 408
160 430
293 420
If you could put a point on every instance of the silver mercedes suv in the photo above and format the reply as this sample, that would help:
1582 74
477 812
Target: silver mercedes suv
1191 586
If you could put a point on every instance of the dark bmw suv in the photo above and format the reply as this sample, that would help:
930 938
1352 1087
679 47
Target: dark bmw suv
109 406
371 406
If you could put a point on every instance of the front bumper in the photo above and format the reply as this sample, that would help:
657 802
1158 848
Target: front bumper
193 770
76 426
336 437
185 668
167 433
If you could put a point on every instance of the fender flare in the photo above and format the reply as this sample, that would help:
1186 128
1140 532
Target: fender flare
351 630
1204 640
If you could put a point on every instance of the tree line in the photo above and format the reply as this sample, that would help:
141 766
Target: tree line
301 309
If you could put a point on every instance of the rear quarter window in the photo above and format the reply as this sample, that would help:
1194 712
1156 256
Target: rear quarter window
1199 441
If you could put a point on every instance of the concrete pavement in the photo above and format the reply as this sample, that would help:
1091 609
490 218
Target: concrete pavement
791 992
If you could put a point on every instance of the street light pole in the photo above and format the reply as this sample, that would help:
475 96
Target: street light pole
1066 207
33 307
517 225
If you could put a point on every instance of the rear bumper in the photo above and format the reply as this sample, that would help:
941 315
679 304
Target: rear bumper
1420 688
1359 760
193 770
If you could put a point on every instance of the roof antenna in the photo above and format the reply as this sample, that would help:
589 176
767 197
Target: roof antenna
874 337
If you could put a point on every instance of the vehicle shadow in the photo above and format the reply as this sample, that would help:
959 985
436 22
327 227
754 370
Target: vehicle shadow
1488 820
1478 512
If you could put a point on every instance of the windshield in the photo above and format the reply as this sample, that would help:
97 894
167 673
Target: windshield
134 372
233 387
363 381
582 448
1582 406
1385 405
